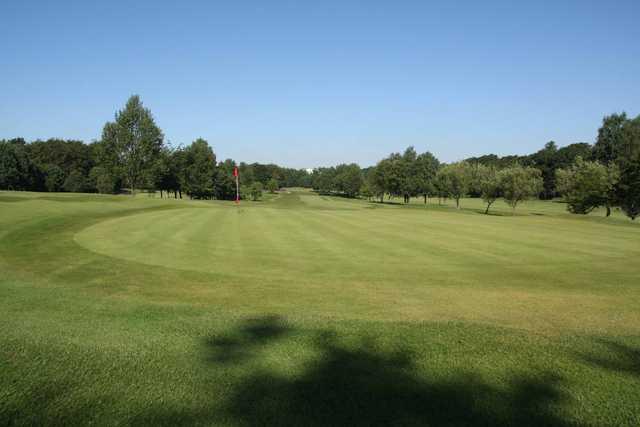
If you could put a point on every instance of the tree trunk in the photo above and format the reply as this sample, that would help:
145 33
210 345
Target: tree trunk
486 211
161 193
425 199
608 211
457 203
180 192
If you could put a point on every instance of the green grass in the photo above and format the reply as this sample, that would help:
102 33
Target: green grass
312 310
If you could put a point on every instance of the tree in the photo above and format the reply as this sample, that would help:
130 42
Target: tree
628 160
489 185
17 171
455 179
225 187
619 143
426 168
255 191
133 141
348 179
519 184
75 182
102 181
198 164
54 178
272 185
610 136
546 160
587 185
376 178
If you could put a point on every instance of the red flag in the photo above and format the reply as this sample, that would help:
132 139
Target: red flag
235 171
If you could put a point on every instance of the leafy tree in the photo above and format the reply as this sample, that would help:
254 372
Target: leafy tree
519 184
198 164
610 135
132 142
54 178
628 160
546 160
489 185
75 182
455 179
272 185
165 173
255 191
365 190
377 181
17 171
587 185
225 188
348 179
102 181
619 143
426 168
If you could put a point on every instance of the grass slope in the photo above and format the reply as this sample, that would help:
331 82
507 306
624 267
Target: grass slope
306 309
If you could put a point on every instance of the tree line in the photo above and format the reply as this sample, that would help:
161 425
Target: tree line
133 155
605 174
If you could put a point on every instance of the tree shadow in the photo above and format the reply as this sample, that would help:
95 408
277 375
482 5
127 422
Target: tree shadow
617 357
364 387
355 384
244 340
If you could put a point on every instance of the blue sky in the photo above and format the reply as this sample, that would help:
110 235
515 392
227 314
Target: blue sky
304 84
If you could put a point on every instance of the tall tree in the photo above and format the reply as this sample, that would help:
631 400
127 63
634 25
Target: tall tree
348 179
198 170
489 184
587 185
133 141
519 184
610 136
456 178
426 167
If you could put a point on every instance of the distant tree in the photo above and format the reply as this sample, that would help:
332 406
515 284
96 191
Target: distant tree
17 171
255 191
619 143
610 136
628 161
133 142
272 185
519 184
101 180
225 188
456 178
546 160
489 185
365 190
377 181
54 178
75 182
198 164
587 185
426 168
348 179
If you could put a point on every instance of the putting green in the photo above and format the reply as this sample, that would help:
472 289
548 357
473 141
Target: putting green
343 259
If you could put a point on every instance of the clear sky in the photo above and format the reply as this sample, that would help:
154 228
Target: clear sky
308 83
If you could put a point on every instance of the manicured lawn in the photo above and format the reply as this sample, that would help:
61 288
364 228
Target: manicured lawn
312 310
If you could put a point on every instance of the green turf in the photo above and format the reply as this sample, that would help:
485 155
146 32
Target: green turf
312 310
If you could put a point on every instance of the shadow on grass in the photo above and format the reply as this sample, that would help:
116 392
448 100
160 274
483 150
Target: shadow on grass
354 385
245 340
359 386
617 357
